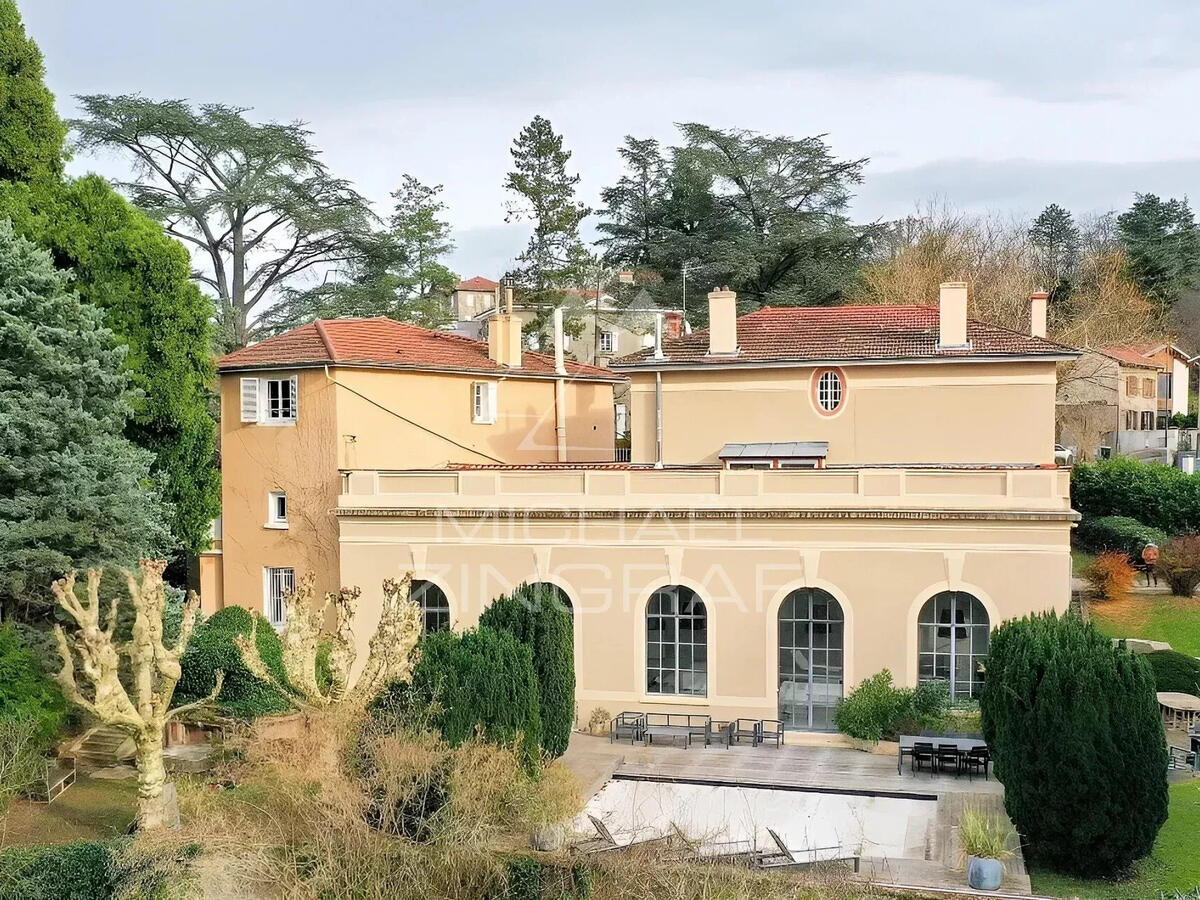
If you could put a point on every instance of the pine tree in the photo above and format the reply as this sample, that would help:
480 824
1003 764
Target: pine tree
1163 244
1074 729
555 257
1057 242
74 492
31 134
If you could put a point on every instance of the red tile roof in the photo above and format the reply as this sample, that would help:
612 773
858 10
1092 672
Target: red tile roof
478 283
801 333
1130 356
387 343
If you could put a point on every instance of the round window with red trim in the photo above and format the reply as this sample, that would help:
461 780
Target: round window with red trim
829 391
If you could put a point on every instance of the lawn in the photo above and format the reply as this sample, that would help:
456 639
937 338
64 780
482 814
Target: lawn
1153 617
92 809
1080 560
1173 866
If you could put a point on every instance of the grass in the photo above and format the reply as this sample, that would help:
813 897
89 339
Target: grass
1153 617
1173 866
1080 560
91 809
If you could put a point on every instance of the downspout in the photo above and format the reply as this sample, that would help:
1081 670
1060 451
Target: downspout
560 388
658 397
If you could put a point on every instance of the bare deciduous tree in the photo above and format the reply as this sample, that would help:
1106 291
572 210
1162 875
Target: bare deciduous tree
152 666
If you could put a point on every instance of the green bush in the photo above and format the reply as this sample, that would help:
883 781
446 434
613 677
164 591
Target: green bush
1074 729
535 616
1175 671
83 871
870 709
1179 564
1183 420
25 692
479 679
212 648
529 878
1160 496
1119 533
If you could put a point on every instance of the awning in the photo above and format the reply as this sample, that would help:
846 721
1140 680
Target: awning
776 450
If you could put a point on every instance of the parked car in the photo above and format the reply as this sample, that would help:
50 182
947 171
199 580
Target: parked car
1063 456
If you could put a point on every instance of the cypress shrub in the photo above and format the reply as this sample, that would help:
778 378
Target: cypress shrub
1175 671
535 616
480 679
212 648
25 692
1074 729
1118 533
1160 496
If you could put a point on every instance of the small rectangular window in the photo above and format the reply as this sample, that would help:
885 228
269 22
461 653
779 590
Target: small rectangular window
608 341
277 510
281 400
483 402
276 583
1164 387
1147 420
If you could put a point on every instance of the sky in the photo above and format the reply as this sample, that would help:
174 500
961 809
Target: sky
998 107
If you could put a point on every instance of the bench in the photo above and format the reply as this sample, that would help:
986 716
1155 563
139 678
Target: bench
677 725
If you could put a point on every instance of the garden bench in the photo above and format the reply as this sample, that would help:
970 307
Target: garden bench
676 725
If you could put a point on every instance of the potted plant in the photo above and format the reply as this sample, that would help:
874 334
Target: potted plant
598 723
986 842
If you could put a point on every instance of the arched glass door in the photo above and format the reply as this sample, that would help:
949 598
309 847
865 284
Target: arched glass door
811 647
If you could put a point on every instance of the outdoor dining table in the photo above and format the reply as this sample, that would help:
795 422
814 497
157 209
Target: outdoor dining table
1179 710
963 744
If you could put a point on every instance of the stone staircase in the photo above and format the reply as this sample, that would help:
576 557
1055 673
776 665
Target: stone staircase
102 746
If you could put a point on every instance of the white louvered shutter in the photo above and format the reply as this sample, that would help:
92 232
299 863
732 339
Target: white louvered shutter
249 399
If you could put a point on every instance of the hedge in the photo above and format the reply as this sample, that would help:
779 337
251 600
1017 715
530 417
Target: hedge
1159 496
1074 729
535 616
212 648
25 692
89 870
876 709
481 678
1175 671
1119 533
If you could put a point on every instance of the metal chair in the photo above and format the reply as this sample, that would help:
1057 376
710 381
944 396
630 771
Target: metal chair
949 754
770 730
923 752
746 728
630 725
975 759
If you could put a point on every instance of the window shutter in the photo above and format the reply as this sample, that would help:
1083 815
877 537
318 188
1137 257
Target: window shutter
249 399
491 401
295 398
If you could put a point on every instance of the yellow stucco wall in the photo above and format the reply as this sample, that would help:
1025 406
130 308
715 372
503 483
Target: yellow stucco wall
917 413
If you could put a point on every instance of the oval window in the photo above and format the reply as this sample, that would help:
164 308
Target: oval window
830 391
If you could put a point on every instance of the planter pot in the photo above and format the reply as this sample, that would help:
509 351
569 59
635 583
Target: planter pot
598 730
984 874
548 837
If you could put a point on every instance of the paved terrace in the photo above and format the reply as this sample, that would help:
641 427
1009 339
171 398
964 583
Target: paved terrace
931 856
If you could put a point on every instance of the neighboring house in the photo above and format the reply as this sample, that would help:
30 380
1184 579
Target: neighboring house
301 410
1103 398
1175 367
473 296
911 502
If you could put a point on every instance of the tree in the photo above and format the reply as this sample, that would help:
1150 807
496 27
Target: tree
73 490
142 709
555 257
253 200
1056 241
31 134
1163 244
1073 726
635 208
536 617
398 273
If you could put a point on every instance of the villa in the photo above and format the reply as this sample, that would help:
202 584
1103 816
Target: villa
815 494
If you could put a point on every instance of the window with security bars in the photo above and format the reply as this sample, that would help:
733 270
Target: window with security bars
829 391
433 603
676 643
952 642
279 581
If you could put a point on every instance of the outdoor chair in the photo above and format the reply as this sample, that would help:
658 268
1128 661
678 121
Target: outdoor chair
719 732
949 755
770 730
746 729
627 725
976 759
923 752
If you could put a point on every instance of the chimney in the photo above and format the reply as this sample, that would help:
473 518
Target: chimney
952 316
1038 301
672 325
722 323
504 335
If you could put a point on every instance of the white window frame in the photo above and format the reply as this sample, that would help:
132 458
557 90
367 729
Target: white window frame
276 581
274 520
276 416
831 392
483 402
608 337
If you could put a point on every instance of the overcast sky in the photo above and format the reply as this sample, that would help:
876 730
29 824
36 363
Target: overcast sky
999 106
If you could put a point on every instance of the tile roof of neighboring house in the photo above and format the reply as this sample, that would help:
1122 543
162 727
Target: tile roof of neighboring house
386 343
478 283
1150 348
1128 356
844 333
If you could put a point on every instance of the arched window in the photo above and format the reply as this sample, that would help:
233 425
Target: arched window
433 602
676 642
811 644
952 642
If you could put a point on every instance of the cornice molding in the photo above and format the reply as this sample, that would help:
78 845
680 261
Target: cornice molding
742 515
